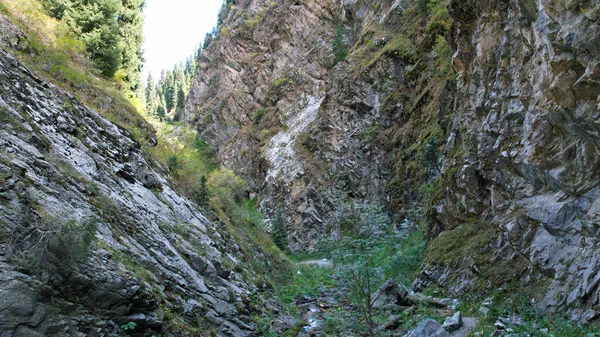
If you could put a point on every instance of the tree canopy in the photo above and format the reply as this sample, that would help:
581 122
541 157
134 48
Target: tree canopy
112 31
168 93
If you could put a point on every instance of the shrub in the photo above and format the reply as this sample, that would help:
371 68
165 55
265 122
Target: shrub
423 6
226 188
431 155
173 163
258 115
52 244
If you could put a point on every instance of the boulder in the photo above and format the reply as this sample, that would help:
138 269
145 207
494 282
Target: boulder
453 322
428 328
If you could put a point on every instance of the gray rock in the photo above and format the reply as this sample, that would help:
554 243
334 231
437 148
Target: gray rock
428 328
453 322
102 175
389 293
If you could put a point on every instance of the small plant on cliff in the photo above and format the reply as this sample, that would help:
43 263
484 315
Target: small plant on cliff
340 50
258 115
51 243
431 155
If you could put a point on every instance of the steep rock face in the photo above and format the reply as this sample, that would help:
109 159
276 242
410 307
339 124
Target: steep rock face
156 261
512 194
302 131
527 121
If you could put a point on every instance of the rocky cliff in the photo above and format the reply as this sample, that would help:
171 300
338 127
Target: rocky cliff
481 115
94 240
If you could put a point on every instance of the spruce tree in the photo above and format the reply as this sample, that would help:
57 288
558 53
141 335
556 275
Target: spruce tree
340 50
278 231
202 194
151 96
111 30
131 25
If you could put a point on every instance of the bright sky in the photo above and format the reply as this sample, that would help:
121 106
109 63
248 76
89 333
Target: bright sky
174 29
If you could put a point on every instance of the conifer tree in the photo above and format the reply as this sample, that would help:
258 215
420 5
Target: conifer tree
340 50
112 31
278 231
151 96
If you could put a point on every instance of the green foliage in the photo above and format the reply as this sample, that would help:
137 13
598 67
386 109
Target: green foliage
431 154
307 280
361 264
227 189
363 218
258 115
51 243
362 275
188 158
58 55
443 60
516 299
123 330
111 31
173 163
208 38
246 215
399 47
168 94
423 6
278 231
202 194
340 50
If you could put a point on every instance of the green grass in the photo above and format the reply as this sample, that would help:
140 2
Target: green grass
305 280
516 299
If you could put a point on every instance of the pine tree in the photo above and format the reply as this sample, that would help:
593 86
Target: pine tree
151 96
202 194
131 24
112 31
179 86
278 232
207 40
340 50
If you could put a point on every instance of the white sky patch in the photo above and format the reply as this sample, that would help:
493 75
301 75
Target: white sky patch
173 29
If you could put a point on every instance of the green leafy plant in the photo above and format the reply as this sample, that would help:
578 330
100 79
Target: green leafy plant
123 330
227 189
340 49
258 115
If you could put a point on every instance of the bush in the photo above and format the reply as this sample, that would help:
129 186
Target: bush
227 189
52 244
173 163
258 115
431 155
423 6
